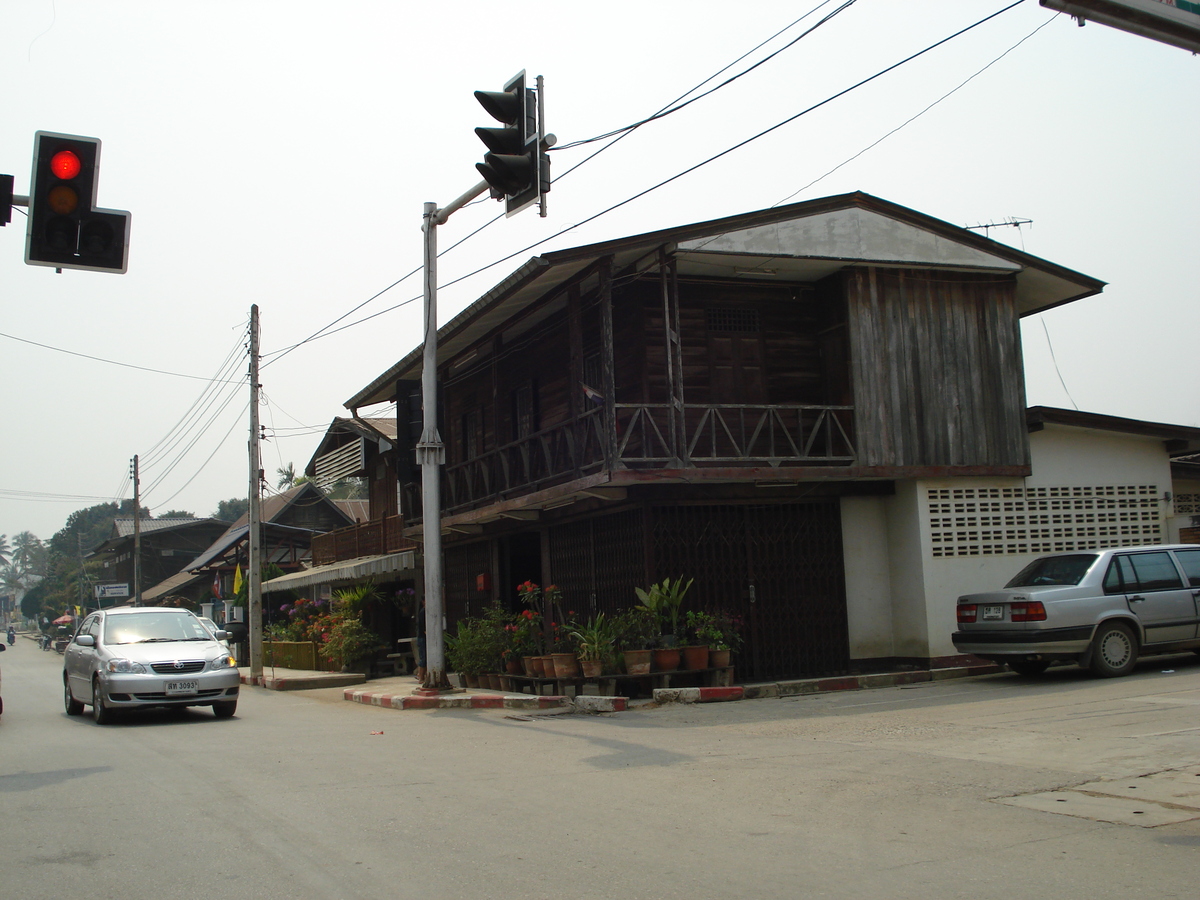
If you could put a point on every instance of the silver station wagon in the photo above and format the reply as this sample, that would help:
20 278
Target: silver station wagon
143 656
1101 609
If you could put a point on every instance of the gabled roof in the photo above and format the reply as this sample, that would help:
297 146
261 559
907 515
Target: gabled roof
341 427
122 530
799 242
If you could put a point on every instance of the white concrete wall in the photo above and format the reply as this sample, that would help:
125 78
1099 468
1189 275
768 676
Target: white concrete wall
900 594
868 577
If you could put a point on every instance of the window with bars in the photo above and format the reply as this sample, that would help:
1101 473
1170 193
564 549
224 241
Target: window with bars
999 521
733 320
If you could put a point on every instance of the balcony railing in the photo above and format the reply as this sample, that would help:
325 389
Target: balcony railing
376 538
711 434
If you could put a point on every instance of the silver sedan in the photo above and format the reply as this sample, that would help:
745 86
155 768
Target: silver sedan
136 657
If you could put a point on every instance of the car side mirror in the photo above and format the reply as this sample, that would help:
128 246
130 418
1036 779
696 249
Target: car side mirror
86 640
221 635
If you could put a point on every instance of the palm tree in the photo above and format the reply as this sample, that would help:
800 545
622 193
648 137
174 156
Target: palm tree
26 548
287 476
4 550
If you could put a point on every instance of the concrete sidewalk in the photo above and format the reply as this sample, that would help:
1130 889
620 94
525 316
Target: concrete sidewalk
403 692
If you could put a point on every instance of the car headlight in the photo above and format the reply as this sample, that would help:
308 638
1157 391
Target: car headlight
125 667
222 662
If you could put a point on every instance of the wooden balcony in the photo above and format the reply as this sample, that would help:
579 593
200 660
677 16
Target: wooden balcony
376 538
645 437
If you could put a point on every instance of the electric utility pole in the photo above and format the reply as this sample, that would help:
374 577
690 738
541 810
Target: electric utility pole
254 565
516 170
137 535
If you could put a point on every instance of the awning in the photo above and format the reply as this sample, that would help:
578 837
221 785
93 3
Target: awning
348 571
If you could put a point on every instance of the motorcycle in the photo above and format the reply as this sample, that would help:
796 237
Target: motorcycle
12 637
45 641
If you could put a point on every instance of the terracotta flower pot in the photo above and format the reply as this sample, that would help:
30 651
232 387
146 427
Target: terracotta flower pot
592 668
512 666
548 667
718 659
537 664
527 665
472 681
566 665
637 662
666 659
695 657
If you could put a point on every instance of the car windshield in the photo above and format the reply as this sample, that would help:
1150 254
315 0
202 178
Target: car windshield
151 627
1051 570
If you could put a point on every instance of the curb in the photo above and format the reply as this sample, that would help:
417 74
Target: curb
303 682
817 685
595 704
461 701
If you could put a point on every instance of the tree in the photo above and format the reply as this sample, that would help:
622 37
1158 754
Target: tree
29 555
232 509
92 524
3 549
287 476
177 514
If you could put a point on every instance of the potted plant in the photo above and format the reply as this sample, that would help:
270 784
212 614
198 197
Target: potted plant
663 599
636 631
595 642
349 643
720 632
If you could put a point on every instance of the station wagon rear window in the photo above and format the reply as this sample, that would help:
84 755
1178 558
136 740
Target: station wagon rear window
1051 570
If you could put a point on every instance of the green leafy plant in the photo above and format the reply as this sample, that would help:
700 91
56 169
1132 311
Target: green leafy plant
349 641
663 599
481 643
595 639
636 628
718 632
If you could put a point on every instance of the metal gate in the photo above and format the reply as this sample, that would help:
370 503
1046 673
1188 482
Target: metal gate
598 562
779 567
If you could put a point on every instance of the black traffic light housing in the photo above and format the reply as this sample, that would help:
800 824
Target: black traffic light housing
65 229
6 199
515 166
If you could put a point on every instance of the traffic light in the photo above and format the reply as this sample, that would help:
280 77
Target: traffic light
515 166
6 199
65 229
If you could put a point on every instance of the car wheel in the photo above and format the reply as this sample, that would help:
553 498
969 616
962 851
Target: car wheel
101 714
74 707
224 709
1028 667
1114 650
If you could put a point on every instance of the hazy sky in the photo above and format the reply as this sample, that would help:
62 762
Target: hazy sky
280 153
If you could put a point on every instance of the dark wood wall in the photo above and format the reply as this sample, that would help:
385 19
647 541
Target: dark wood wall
936 368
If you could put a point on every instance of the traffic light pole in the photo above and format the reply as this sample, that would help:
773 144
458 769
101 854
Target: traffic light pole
431 456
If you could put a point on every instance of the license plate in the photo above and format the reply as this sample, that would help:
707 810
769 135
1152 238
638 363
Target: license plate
992 613
182 687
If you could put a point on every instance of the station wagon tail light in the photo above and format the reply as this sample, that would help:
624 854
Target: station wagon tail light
1028 611
967 613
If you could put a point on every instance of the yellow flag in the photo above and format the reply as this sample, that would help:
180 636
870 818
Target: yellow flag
237 579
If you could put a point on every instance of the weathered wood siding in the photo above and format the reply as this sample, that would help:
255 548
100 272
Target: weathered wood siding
936 368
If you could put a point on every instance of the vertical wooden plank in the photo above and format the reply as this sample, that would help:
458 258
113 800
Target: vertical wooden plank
608 362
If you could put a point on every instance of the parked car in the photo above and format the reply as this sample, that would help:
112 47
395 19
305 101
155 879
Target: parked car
137 657
1102 609
214 628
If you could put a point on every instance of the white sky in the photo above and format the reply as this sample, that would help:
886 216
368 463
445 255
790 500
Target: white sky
275 154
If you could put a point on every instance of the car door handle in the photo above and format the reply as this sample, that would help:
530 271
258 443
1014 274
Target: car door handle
1137 599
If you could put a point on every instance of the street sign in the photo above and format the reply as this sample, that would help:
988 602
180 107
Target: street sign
112 591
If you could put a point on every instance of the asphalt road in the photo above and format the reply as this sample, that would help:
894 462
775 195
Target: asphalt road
930 791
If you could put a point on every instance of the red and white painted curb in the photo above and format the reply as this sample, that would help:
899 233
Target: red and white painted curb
484 701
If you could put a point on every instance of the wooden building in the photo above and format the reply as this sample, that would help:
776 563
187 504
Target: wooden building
709 401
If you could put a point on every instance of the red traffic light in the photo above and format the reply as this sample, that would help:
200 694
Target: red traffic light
65 164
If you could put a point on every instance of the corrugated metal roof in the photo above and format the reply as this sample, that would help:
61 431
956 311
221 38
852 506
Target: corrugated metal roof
345 572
